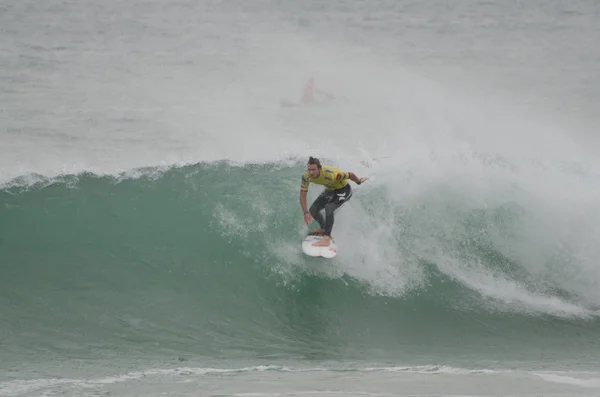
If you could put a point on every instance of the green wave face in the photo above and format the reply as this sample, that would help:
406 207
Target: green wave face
205 260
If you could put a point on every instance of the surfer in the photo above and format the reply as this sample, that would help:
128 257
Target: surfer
308 96
337 192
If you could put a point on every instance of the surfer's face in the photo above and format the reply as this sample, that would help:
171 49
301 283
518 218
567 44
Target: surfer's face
313 171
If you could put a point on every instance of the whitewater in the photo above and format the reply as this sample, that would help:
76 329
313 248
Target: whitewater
150 224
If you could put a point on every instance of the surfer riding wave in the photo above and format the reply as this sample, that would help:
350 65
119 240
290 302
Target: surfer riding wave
337 192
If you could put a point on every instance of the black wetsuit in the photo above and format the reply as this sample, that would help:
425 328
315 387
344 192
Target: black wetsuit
331 200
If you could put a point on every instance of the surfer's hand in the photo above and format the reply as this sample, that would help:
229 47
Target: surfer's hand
307 218
361 180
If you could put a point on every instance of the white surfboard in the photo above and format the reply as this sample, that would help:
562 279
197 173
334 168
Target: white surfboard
326 252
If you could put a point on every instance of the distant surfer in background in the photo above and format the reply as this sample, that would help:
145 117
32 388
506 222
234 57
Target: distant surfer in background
337 192
308 97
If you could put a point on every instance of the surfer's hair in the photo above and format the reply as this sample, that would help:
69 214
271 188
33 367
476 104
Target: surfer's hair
312 160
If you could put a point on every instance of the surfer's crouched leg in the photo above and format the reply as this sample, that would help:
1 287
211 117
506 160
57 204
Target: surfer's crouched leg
329 211
315 210
337 199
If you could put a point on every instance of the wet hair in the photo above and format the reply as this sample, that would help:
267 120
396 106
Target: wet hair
312 160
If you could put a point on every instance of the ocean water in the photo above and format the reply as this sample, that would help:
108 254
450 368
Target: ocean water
150 225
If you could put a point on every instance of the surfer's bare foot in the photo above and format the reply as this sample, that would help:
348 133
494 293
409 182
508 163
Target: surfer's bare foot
316 231
324 242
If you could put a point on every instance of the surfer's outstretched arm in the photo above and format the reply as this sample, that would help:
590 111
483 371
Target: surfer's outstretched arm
356 179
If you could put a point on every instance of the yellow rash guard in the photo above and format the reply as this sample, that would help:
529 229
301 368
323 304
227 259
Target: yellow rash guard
330 177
